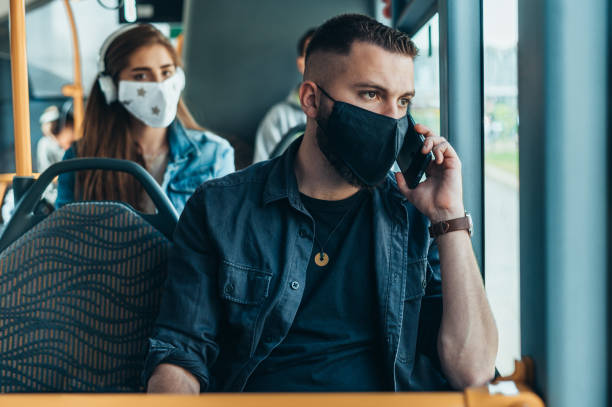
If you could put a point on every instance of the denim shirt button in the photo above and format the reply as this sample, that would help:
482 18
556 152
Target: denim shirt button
295 285
229 288
424 283
303 233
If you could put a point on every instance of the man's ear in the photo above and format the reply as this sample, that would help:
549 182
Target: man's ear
309 99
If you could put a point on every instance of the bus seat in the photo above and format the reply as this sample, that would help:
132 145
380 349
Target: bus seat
292 134
27 211
80 291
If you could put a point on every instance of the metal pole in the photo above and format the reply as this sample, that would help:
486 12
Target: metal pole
21 100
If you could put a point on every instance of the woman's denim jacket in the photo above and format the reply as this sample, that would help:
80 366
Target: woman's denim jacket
194 157
237 271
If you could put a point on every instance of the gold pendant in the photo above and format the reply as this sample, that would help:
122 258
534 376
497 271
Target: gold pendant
321 259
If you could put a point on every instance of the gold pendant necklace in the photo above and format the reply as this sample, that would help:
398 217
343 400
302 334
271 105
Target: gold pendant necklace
321 259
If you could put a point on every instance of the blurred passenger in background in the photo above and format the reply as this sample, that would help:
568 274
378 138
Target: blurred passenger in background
58 133
284 115
135 112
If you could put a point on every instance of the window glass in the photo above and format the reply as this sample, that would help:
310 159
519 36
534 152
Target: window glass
426 103
500 27
49 44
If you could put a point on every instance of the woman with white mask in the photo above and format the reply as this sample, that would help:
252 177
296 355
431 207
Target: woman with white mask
135 112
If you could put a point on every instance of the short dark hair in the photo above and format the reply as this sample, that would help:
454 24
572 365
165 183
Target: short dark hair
58 125
338 34
301 45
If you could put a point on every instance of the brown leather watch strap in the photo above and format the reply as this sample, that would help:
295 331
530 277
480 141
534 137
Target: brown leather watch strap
440 228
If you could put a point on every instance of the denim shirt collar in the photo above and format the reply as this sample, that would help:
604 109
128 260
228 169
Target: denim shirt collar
282 183
180 144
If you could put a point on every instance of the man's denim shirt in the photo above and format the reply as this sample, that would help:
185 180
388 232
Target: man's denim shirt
194 157
238 268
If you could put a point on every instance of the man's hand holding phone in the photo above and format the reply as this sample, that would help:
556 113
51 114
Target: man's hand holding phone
412 162
440 196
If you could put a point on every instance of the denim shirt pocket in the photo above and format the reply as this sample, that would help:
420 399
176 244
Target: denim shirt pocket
416 280
243 284
415 290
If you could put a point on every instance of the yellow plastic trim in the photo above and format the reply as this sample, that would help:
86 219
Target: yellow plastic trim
472 397
477 397
241 400
480 397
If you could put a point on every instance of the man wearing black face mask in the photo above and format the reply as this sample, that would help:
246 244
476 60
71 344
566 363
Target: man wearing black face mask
315 271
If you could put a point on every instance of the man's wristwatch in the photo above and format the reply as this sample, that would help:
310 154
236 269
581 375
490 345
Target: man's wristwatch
446 226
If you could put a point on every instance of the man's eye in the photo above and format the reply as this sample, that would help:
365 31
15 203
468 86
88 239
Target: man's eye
167 73
370 95
404 102
140 77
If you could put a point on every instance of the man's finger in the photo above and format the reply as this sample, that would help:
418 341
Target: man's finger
431 142
425 131
439 151
401 184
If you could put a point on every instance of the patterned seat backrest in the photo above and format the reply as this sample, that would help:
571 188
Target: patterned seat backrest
79 293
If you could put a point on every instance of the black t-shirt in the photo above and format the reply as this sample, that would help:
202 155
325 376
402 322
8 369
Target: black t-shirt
334 342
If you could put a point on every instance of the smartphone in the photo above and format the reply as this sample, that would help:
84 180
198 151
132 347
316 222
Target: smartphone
410 159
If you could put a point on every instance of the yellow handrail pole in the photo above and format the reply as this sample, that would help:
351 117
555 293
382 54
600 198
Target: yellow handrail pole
76 89
8 178
21 99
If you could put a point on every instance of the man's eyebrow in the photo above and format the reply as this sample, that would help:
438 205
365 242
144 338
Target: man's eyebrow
380 88
370 85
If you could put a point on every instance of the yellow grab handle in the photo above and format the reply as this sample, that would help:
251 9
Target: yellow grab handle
21 99
75 91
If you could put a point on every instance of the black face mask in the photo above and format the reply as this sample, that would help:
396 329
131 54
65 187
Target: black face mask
366 142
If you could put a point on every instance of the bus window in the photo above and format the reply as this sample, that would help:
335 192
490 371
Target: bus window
426 104
49 44
500 25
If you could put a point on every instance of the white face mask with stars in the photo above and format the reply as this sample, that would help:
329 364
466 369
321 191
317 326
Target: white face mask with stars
153 103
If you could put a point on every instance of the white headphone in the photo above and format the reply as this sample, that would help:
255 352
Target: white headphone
107 85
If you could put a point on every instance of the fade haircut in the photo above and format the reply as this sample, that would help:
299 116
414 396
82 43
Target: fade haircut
338 34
